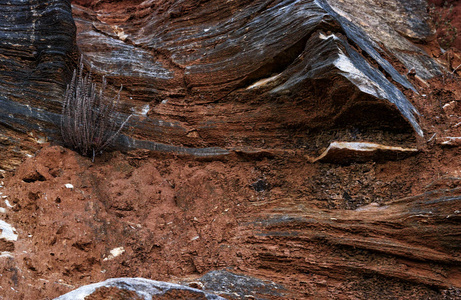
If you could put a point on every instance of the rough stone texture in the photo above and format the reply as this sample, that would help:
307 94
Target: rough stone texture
250 91
37 41
209 67
396 25
142 288
272 75
232 285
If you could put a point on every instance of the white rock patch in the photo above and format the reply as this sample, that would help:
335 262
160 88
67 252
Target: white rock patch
115 252
9 233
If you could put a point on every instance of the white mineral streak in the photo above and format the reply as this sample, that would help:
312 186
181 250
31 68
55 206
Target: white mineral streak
366 146
357 77
359 147
450 140
263 82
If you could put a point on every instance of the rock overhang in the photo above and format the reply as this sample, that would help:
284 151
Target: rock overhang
191 64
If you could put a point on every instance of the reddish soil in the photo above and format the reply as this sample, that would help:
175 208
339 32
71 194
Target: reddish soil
446 15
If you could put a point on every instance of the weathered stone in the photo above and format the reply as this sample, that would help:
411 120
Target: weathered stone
144 288
236 286
37 41
200 55
221 74
404 230
396 25
346 152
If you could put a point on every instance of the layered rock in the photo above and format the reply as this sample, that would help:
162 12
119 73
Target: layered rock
266 84
210 68
224 74
399 237
37 41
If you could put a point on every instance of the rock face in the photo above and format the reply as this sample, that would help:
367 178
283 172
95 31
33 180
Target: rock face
271 75
211 67
37 41
248 92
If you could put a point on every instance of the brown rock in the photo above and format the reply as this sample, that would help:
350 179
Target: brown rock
244 92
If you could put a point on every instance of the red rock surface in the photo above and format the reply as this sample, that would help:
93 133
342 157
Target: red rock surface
195 68
372 230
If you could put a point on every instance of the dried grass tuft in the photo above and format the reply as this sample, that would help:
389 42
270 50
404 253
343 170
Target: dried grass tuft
89 119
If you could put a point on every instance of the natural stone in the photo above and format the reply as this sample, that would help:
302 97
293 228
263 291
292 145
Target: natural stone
143 288
267 66
346 152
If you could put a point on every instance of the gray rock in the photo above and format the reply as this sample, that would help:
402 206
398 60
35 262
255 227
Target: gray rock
240 286
145 288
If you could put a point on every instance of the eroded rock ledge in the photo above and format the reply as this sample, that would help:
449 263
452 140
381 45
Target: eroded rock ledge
270 75
254 79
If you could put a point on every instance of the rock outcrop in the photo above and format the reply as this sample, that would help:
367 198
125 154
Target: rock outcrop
136 288
214 67
209 78
314 151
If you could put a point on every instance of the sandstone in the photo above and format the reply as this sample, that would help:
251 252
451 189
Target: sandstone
176 70
211 181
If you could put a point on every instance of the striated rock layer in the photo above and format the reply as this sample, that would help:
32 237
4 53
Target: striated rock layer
258 69
218 76
37 41
262 87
